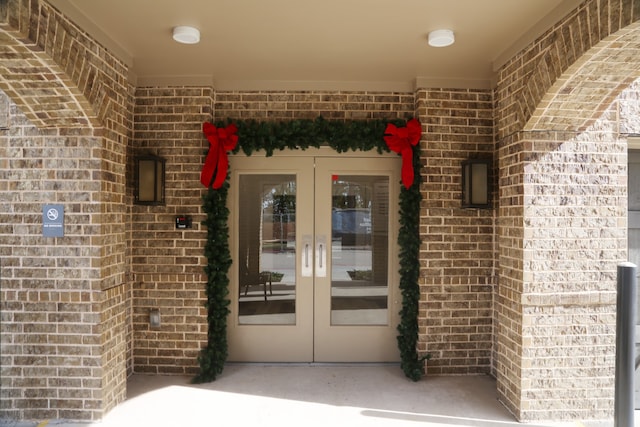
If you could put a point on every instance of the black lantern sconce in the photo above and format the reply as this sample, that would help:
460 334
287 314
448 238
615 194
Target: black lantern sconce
150 180
476 188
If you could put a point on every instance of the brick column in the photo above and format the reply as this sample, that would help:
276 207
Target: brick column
457 255
64 300
562 232
168 264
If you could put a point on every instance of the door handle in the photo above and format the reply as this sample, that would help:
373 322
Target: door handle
306 268
321 256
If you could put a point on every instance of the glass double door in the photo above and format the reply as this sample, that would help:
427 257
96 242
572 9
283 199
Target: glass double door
314 275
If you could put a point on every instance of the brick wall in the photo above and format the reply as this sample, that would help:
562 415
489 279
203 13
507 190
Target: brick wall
116 338
508 300
63 300
272 105
168 264
50 293
629 109
458 251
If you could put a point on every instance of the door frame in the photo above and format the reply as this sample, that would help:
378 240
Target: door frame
271 353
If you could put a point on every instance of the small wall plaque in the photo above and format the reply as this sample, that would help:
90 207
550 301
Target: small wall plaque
53 221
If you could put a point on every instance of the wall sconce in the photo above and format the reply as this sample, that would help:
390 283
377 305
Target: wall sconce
150 180
154 318
475 183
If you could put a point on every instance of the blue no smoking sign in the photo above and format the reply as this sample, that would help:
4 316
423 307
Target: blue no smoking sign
53 221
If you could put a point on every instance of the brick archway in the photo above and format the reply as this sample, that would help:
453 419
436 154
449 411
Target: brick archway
39 87
586 90
65 302
529 76
562 184
50 65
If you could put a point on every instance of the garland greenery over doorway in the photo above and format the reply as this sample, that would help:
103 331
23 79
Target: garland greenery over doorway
303 134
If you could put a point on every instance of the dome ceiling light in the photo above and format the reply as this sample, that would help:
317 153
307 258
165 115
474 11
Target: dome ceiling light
186 35
441 38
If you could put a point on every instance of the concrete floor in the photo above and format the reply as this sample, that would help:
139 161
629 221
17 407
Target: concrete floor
305 396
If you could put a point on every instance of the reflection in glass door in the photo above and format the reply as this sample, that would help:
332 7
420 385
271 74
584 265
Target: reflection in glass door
359 250
267 249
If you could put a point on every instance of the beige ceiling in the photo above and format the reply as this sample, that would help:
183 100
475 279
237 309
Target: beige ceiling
315 44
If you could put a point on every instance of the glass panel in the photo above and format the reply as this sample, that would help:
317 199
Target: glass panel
360 243
267 250
147 180
479 188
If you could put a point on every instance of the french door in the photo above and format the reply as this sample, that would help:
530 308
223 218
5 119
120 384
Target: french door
313 241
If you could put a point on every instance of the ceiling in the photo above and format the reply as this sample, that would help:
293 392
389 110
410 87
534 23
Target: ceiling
315 44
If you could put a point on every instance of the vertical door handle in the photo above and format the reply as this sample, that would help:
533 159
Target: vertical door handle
306 269
321 256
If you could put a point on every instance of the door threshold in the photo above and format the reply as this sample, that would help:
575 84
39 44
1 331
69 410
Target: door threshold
314 364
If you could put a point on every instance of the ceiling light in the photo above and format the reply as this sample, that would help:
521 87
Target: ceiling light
441 38
186 35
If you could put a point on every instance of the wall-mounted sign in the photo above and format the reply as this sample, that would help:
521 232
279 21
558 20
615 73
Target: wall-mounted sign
53 221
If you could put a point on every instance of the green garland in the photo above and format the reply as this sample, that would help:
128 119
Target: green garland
409 244
216 250
303 134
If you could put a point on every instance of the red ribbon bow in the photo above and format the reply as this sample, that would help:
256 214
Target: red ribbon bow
221 140
401 140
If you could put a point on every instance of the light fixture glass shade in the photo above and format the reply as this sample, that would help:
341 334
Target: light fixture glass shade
150 180
476 183
441 38
186 35
154 318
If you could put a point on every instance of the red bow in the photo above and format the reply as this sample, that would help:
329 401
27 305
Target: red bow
401 141
221 140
